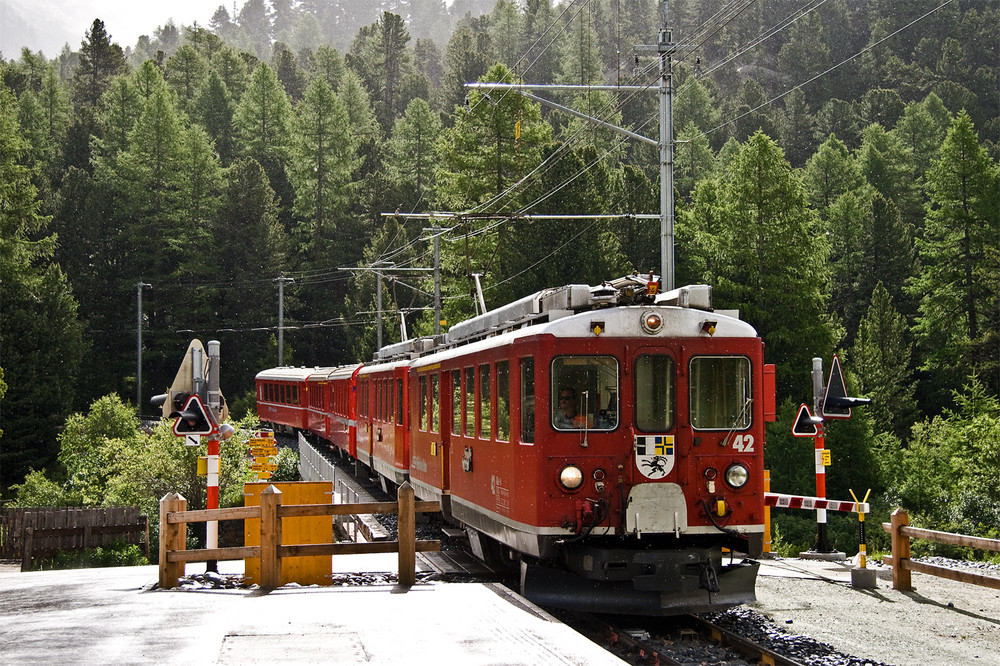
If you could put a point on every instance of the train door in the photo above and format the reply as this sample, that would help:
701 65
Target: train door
451 423
364 450
396 392
661 444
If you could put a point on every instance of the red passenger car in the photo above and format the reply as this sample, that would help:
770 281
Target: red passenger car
609 439
282 397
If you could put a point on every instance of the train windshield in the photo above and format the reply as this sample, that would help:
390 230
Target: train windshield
654 393
584 393
719 392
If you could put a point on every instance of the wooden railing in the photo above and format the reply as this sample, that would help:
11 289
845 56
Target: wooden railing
27 533
174 518
902 565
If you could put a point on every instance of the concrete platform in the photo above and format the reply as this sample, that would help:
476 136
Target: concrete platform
114 616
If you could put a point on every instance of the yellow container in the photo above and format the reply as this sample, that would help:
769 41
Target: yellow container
309 570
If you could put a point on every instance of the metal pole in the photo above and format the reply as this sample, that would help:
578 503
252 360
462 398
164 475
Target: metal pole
212 478
437 280
378 305
281 280
822 540
666 156
138 344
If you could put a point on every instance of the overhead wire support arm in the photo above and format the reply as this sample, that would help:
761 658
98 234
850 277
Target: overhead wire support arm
533 217
522 90
665 49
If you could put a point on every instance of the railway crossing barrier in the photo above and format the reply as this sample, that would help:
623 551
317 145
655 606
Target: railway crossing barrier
901 532
781 501
174 518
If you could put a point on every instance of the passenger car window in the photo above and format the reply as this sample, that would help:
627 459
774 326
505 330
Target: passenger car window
584 393
719 392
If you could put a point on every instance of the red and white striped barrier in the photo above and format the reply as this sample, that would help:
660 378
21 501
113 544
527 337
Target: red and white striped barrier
800 502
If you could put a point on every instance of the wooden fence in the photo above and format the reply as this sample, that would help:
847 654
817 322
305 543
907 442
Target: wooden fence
902 565
174 517
27 533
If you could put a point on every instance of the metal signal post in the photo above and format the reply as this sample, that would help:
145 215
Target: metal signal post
198 407
829 401
822 540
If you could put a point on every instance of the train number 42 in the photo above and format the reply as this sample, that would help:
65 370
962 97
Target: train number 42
743 443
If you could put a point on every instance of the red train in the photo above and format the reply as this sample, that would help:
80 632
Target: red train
608 438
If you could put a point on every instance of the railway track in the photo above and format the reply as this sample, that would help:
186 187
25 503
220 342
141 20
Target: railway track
683 639
676 641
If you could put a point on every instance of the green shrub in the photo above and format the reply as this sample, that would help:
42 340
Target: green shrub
117 554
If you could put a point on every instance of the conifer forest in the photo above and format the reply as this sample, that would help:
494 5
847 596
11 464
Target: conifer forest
836 180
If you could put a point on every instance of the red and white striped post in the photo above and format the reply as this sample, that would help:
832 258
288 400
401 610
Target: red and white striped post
212 494
212 476
822 540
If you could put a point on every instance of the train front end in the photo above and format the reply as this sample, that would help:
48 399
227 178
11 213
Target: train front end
649 435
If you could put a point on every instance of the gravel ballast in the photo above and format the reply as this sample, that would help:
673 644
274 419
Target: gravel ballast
940 622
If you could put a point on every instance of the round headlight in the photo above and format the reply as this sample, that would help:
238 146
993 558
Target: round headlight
737 475
571 477
651 322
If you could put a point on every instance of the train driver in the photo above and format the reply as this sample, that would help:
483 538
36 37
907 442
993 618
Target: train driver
567 416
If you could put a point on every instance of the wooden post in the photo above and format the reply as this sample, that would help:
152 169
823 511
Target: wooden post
407 536
172 537
145 523
270 538
900 552
27 539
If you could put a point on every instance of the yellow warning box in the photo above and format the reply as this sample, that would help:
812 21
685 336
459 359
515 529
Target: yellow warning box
309 570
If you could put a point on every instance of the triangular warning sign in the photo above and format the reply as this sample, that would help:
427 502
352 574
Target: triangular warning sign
835 402
805 423
193 419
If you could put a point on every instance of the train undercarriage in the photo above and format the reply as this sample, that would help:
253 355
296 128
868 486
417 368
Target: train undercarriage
650 577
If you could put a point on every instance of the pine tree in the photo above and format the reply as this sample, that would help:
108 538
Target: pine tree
881 358
323 161
887 165
40 331
186 71
118 112
100 61
215 111
830 172
264 116
250 249
796 128
413 150
959 284
771 264
380 57
888 255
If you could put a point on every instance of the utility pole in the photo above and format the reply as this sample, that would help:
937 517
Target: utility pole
664 49
437 280
138 343
378 306
282 280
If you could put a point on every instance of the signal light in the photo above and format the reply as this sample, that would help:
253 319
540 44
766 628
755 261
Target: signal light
709 327
193 419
